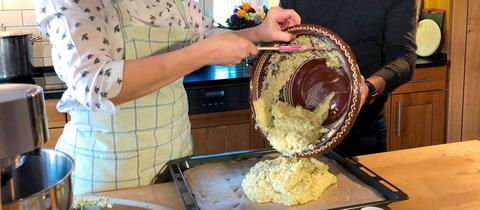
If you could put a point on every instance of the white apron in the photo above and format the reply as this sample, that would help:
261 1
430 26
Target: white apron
130 148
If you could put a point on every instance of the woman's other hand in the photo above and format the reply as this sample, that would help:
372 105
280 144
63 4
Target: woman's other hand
227 49
363 91
274 25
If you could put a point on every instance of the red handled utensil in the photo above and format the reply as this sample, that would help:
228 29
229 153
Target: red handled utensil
287 48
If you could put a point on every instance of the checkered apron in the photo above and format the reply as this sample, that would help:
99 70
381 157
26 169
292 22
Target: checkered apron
129 148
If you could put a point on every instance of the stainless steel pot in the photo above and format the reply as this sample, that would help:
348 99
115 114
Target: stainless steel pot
43 182
15 56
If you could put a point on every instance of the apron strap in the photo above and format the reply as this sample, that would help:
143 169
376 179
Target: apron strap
181 9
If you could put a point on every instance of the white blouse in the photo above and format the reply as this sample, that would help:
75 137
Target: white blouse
87 43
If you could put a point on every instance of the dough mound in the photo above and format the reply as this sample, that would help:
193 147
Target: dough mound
287 181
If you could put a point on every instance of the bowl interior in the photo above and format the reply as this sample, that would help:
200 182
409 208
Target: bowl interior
42 170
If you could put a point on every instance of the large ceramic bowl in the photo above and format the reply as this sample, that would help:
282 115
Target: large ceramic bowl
313 81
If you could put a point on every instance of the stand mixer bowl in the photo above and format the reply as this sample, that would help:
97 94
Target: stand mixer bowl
42 182
7 166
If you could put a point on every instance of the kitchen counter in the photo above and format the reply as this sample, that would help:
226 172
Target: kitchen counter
436 177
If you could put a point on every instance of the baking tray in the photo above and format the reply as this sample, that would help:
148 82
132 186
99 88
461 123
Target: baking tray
385 191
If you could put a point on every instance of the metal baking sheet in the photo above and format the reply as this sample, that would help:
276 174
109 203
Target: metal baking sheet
214 182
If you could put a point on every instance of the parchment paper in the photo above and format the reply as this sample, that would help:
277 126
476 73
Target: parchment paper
218 186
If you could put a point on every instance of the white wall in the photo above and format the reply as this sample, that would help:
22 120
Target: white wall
19 15
273 3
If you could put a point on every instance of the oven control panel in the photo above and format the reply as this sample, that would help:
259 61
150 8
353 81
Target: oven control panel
218 99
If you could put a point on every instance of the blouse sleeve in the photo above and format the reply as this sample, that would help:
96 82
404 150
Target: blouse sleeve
81 52
202 25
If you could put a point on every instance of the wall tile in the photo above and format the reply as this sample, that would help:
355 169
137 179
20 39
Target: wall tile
37 49
42 50
47 62
47 50
29 18
18 4
11 18
37 62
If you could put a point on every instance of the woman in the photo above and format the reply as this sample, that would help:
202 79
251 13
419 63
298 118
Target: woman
123 62
381 34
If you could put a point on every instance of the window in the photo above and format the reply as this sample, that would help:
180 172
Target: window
220 10
224 9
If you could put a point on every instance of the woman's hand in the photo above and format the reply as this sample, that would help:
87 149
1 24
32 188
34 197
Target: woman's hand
274 25
377 82
363 91
226 49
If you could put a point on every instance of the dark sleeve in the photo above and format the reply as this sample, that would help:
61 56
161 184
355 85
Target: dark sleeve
399 44
287 4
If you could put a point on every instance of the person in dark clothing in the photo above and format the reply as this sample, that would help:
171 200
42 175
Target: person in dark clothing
381 34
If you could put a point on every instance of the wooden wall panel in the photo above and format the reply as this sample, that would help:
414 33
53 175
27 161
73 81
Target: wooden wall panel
471 107
457 70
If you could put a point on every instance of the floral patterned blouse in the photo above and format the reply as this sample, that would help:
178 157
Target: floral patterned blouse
88 48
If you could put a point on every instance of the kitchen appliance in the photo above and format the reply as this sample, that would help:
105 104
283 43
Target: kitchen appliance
218 98
31 178
16 57
216 179
218 88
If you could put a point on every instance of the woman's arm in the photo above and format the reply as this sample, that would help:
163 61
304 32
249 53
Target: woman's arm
143 76
399 47
226 48
83 51
271 29
95 79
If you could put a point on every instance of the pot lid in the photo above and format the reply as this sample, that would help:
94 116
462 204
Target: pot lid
4 34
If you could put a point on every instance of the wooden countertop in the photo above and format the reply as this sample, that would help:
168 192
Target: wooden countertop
437 177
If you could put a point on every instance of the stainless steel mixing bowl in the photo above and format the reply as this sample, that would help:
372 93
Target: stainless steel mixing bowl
42 182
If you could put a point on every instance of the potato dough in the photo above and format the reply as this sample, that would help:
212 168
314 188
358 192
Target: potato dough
292 130
288 181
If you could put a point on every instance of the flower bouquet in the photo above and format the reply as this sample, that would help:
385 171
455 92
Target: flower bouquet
245 16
